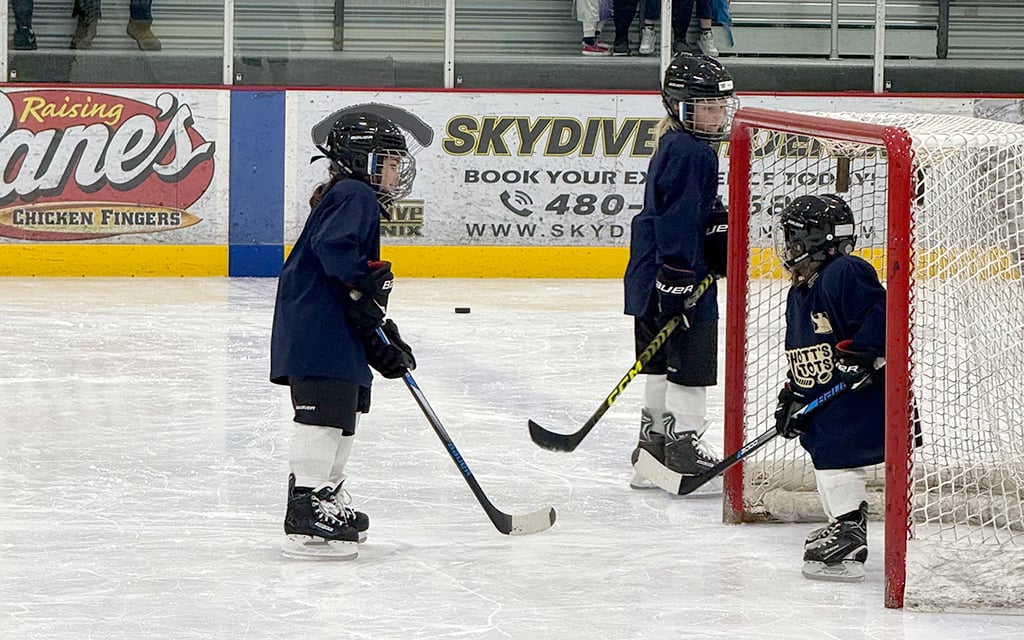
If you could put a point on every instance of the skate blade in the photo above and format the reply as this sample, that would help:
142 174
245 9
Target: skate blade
849 571
309 547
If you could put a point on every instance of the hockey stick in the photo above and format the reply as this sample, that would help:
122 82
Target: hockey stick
505 523
567 442
649 467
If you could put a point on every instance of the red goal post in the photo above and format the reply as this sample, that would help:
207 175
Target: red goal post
907 177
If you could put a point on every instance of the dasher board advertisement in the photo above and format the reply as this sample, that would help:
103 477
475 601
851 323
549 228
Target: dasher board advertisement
525 169
114 166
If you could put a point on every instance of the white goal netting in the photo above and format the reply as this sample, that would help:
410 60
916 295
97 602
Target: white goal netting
965 355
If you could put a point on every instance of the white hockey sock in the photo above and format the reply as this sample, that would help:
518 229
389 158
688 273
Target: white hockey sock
312 454
841 490
654 400
340 458
689 405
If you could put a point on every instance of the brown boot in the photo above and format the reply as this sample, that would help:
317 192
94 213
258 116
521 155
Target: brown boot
142 32
84 33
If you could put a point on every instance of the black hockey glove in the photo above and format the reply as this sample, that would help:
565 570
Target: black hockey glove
854 366
368 299
716 239
675 286
392 360
786 424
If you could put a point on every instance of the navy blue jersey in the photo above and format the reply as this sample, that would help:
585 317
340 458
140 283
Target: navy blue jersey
844 301
311 336
682 182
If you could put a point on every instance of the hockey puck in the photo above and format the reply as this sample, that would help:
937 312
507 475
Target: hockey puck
461 309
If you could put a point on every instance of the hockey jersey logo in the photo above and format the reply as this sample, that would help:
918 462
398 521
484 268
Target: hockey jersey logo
820 322
811 366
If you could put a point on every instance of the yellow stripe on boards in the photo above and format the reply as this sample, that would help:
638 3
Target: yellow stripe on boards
507 262
504 262
113 260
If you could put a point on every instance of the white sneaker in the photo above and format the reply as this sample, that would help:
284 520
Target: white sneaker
647 41
706 41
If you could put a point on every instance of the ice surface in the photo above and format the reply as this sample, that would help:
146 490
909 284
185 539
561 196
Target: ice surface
142 474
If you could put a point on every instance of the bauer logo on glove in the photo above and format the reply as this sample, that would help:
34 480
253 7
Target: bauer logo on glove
853 365
676 290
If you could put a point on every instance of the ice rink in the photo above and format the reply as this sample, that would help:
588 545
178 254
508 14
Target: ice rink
143 472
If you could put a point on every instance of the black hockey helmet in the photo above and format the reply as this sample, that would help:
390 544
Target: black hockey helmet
811 230
361 144
691 80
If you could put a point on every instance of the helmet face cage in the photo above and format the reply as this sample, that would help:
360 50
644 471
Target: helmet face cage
810 230
391 173
372 149
707 118
697 92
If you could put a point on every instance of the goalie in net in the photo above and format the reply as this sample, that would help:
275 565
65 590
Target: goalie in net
835 332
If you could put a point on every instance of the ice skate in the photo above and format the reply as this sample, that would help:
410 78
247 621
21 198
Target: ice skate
313 528
816 534
357 519
837 552
650 441
688 455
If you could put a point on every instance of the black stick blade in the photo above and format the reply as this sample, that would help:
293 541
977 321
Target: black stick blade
554 441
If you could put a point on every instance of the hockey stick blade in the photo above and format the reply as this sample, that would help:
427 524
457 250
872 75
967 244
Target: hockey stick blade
556 441
524 525
505 523
569 441
679 484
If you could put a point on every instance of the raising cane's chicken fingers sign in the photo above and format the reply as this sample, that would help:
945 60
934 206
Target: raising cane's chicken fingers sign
81 165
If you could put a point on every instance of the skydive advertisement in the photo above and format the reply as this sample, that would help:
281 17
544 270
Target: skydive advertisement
541 169
492 172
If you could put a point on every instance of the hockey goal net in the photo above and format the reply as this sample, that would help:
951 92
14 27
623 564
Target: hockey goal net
939 206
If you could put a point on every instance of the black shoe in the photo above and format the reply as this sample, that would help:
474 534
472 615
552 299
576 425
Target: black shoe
621 48
24 39
682 46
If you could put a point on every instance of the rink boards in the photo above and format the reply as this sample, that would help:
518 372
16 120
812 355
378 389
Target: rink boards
158 181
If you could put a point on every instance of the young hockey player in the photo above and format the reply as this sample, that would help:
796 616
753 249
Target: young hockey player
668 258
835 332
331 299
